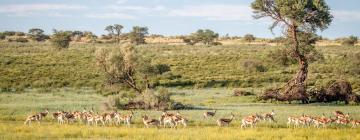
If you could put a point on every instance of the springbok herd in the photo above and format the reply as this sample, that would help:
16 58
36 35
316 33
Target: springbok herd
172 120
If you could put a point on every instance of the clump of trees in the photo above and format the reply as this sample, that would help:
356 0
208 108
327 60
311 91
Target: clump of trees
249 38
334 91
349 41
61 39
125 69
138 34
2 36
206 37
37 34
115 31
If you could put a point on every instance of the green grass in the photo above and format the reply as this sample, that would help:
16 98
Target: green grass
38 65
15 107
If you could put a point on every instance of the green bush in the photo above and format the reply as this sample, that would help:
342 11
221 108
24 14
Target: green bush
61 39
2 36
350 41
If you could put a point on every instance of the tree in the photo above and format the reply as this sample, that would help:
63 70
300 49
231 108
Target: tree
115 31
124 67
37 34
206 36
297 17
137 35
2 36
249 38
350 41
61 39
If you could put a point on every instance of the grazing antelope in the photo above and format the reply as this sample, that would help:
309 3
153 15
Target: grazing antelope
209 114
268 116
37 117
224 121
60 117
150 122
126 118
250 120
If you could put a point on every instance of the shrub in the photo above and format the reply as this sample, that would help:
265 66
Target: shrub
349 41
19 33
249 38
9 33
19 39
2 36
254 66
61 39
334 91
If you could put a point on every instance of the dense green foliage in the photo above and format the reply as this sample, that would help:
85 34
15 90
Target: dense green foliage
137 35
61 39
207 37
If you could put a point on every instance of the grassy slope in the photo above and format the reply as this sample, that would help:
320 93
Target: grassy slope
37 65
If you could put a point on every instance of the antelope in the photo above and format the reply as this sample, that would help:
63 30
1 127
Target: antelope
150 122
250 120
98 118
268 116
321 121
108 117
60 117
180 119
305 120
341 115
126 118
209 114
37 117
355 123
167 119
293 120
224 121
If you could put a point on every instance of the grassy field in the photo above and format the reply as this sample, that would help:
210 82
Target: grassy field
14 107
202 76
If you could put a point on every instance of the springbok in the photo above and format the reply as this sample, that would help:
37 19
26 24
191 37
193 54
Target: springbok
209 114
250 120
321 121
126 118
108 117
150 122
355 123
268 116
167 119
224 121
37 117
178 118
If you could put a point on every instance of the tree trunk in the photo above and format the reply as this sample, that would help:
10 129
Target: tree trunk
299 80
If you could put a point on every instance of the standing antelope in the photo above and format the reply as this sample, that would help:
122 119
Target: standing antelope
224 121
126 118
355 123
250 120
37 117
268 116
321 121
209 114
108 117
150 122
167 119
180 119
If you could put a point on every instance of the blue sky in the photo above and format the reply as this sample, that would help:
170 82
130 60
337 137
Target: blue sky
167 17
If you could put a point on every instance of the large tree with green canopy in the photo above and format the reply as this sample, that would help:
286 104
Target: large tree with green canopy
297 18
